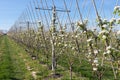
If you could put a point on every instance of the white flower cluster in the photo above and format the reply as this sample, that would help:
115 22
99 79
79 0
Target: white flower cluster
76 36
105 26
104 37
118 21
73 48
117 8
65 45
78 23
96 60
81 25
95 51
89 56
112 20
95 64
90 40
55 43
59 43
103 32
61 35
95 68
104 53
108 49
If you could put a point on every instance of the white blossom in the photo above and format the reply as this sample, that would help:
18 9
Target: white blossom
99 50
96 51
112 20
117 8
96 60
104 37
59 43
89 53
104 53
55 43
105 26
89 40
65 45
97 64
76 36
61 35
73 48
103 31
92 44
108 51
72 36
84 32
78 23
118 20
95 68
108 48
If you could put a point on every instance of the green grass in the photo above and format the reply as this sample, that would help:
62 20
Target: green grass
6 70
9 66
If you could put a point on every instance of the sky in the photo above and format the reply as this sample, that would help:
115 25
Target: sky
10 10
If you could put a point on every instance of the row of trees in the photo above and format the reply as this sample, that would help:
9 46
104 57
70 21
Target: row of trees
59 44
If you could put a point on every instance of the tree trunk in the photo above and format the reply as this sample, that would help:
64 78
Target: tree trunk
70 72
53 57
